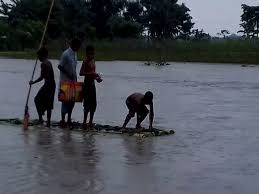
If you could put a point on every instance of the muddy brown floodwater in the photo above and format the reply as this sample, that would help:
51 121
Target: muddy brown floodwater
213 109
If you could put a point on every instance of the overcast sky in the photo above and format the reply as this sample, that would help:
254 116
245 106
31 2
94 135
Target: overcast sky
215 15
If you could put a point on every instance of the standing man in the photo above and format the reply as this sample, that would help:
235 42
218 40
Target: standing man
67 67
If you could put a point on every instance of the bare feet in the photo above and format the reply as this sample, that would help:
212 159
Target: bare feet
70 125
84 126
139 128
48 124
91 126
87 126
123 130
62 124
40 122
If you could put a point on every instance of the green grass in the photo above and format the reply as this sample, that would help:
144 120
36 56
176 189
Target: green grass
220 51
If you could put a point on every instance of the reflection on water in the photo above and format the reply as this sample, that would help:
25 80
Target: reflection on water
60 161
211 107
138 151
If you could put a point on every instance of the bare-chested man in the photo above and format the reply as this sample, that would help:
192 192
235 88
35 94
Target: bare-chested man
136 103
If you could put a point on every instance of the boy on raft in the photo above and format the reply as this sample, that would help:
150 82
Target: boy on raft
45 97
88 70
136 103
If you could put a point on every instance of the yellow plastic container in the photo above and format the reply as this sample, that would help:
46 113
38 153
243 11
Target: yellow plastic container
70 91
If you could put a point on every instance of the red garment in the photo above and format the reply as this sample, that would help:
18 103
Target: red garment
88 69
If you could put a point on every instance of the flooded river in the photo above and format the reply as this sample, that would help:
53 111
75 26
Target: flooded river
214 110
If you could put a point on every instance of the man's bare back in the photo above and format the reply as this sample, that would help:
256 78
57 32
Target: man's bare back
136 100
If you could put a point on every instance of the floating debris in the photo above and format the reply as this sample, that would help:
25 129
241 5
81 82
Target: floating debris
245 65
157 63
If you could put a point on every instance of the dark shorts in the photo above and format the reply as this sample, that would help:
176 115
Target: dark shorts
45 97
142 111
90 102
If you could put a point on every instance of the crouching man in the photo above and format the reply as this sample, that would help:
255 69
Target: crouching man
136 104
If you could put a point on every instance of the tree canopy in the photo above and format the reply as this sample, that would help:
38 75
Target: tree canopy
250 21
23 20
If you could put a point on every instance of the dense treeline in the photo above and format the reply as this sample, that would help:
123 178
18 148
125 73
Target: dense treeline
22 21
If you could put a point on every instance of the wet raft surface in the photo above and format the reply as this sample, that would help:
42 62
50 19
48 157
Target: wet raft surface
76 126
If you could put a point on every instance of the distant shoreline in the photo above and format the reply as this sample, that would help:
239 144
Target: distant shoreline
227 51
237 61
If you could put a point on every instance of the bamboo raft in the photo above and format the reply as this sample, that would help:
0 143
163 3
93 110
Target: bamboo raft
104 129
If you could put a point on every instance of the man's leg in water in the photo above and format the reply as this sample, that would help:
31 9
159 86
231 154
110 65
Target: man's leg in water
92 103
48 117
141 117
69 115
63 115
127 120
40 118
130 115
70 110
39 108
86 112
84 125
86 108
91 118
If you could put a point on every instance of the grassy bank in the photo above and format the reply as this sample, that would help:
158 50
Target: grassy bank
216 51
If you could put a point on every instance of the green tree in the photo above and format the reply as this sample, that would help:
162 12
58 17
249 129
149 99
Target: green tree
250 21
95 19
200 35
124 29
223 33
166 18
133 11
37 10
77 17
103 10
4 34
